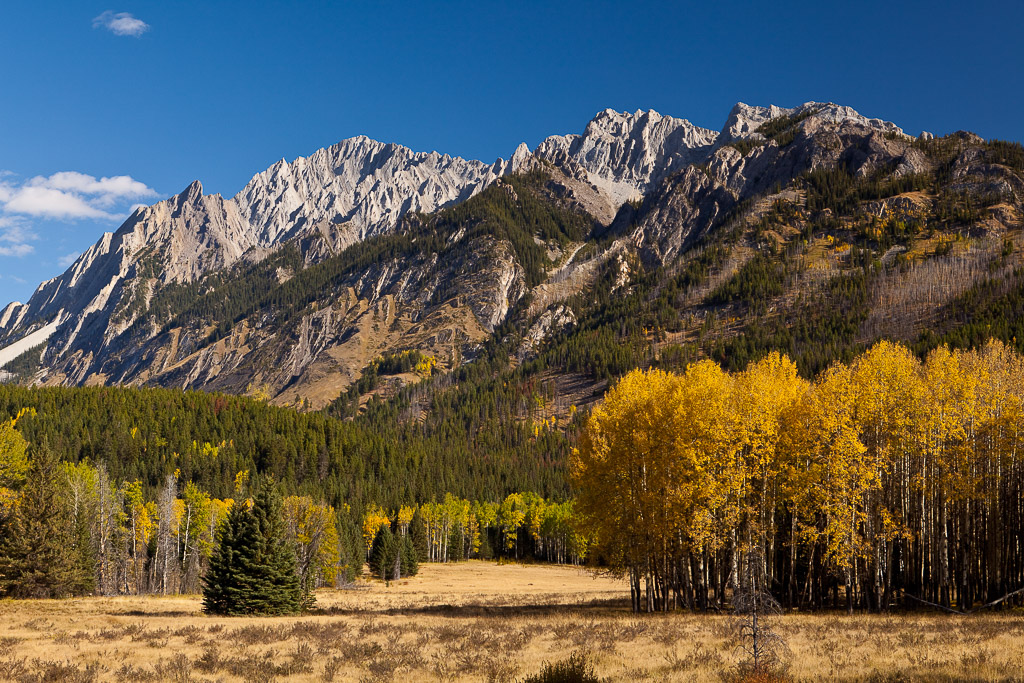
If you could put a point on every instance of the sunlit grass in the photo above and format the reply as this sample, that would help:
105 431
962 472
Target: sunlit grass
476 621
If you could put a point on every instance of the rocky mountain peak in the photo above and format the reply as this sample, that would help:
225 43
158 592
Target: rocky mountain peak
625 154
192 192
519 156
745 119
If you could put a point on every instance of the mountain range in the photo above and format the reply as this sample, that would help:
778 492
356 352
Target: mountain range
645 240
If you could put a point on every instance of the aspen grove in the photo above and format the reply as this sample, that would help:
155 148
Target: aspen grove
886 481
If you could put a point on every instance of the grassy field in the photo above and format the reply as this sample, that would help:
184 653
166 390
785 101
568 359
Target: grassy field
477 621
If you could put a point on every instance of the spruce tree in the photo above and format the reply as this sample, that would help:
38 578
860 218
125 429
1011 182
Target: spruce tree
410 563
228 584
383 553
282 591
456 552
43 553
253 570
351 546
418 532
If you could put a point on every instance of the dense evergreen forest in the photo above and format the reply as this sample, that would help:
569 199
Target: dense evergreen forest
147 434
70 529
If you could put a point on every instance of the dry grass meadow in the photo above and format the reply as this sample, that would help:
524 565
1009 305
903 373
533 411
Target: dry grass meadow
476 621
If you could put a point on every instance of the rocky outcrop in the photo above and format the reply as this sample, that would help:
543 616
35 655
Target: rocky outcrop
744 119
556 319
625 154
679 212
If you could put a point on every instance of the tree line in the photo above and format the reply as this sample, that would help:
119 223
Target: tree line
466 444
887 481
71 529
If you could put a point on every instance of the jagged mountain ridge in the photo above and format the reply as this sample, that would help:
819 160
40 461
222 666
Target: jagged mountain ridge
690 180
331 199
344 192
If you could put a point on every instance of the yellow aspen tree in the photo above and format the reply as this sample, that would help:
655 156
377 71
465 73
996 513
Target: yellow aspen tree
196 542
511 515
845 473
140 522
766 392
431 513
14 463
403 518
945 419
887 395
311 531
374 518
801 496
621 469
704 422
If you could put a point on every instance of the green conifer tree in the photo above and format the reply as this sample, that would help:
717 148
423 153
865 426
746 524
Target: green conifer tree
42 551
455 548
383 553
351 546
410 563
418 532
253 571
228 584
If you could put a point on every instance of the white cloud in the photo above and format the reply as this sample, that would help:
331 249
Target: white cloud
15 237
67 195
17 250
108 190
120 24
68 259
71 195
49 203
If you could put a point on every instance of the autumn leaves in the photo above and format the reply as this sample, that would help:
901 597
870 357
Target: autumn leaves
882 476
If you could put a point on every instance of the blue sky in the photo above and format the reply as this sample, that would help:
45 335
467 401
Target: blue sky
108 105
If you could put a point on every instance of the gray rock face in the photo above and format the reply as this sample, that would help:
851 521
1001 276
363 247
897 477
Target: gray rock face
745 119
625 154
341 194
681 211
555 319
360 186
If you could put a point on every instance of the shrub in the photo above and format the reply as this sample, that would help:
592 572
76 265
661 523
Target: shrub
576 669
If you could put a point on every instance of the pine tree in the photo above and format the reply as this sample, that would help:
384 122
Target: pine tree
228 586
253 570
418 535
383 553
351 549
410 562
42 551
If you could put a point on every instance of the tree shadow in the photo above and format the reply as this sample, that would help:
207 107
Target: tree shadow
476 610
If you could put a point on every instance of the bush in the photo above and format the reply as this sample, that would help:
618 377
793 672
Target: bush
576 669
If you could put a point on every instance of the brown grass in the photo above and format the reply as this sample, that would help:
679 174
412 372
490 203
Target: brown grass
475 621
